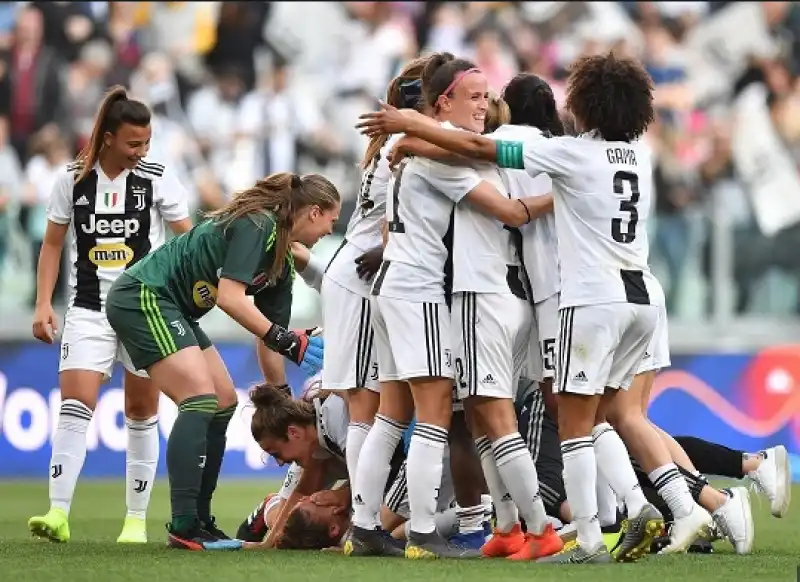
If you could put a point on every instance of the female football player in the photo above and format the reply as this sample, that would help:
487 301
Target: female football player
116 202
242 249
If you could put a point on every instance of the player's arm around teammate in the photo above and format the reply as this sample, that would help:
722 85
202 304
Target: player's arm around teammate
243 249
111 197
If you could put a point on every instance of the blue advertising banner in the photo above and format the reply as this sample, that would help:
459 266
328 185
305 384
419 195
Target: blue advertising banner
744 401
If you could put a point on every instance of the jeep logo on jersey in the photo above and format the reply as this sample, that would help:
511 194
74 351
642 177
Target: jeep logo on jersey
111 256
123 227
204 295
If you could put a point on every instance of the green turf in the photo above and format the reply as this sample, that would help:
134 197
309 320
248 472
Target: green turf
99 507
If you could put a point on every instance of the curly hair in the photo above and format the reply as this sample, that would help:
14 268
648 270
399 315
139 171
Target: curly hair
531 102
612 95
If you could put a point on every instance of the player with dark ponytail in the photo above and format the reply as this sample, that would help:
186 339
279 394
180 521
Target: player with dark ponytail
116 202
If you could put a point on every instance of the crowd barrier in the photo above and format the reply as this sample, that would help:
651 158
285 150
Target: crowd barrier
746 401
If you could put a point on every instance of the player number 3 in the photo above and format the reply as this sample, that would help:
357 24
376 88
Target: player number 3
627 205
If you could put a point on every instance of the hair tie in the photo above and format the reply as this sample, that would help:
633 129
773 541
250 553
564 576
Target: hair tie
297 182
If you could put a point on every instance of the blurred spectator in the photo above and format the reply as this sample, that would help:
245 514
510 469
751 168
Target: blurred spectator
10 181
50 153
242 89
85 86
239 34
213 112
67 27
280 121
30 88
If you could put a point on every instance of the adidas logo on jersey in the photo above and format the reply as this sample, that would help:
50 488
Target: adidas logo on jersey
580 377
489 379
506 497
82 201
358 500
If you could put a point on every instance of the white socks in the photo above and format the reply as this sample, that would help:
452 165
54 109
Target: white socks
606 501
580 483
424 473
140 464
69 452
615 465
373 470
516 468
470 519
672 488
356 435
504 507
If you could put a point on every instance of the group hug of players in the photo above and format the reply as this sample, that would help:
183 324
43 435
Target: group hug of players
492 288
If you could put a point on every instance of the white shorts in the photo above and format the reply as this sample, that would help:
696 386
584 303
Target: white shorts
89 343
547 330
657 355
350 360
396 499
412 340
491 335
602 345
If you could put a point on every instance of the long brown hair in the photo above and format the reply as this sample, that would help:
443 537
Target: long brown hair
115 110
498 113
275 411
411 72
280 195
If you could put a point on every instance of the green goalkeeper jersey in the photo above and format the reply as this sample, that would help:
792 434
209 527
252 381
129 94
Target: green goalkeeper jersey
187 269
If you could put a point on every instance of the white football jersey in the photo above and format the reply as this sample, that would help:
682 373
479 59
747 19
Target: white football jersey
539 245
482 246
364 229
113 223
419 213
603 192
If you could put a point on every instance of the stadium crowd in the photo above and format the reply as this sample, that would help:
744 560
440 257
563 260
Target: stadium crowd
240 91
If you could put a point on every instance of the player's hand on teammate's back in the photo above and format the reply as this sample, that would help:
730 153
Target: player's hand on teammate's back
398 153
301 347
369 263
386 121
45 323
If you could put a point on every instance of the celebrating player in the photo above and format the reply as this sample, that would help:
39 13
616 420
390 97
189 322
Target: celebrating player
608 303
411 319
350 363
243 249
117 203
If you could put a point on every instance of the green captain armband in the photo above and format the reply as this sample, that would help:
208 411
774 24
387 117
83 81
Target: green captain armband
509 155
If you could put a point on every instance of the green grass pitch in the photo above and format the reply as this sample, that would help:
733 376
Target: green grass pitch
97 513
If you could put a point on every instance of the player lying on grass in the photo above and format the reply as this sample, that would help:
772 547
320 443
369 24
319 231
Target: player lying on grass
242 250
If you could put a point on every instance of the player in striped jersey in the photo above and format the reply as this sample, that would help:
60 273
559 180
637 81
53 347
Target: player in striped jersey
606 285
351 363
113 203
241 251
411 317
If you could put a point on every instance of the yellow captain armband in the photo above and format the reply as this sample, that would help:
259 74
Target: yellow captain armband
509 155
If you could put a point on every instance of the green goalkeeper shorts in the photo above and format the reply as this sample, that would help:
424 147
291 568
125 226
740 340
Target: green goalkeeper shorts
150 327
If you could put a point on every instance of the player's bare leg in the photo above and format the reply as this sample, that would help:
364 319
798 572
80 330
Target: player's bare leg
141 460
79 391
648 448
731 512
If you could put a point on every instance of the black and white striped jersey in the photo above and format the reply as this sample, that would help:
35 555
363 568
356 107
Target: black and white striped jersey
113 223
